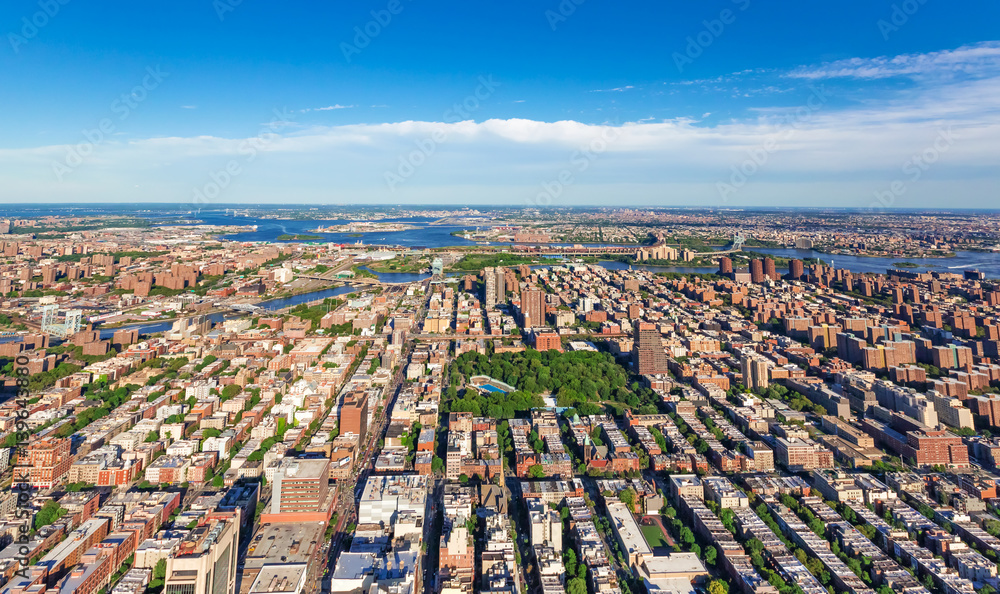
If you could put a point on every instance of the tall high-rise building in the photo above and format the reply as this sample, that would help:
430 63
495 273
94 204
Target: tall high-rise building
648 355
49 316
490 287
205 560
756 271
74 321
795 269
769 270
501 286
532 308
354 415
48 275
754 369
725 265
496 291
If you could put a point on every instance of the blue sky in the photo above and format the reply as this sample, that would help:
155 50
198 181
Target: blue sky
714 103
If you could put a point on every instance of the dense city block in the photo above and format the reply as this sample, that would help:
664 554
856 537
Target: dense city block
188 413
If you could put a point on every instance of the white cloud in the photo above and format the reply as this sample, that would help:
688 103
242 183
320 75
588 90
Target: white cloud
836 154
327 108
614 90
981 59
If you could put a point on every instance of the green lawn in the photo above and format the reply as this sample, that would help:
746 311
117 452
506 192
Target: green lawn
654 536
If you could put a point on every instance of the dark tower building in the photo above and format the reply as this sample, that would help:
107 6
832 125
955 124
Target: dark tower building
648 355
725 265
795 269
532 308
769 270
756 271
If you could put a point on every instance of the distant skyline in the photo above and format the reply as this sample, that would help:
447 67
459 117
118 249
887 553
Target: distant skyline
726 103
166 208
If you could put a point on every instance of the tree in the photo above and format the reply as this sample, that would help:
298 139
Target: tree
576 586
50 512
711 554
718 587
728 519
687 536
536 471
160 571
817 526
437 464
569 561
463 478
628 498
855 565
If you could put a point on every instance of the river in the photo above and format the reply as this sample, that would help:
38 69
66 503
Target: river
436 236
986 262
269 305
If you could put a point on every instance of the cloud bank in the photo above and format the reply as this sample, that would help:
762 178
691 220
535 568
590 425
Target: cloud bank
822 151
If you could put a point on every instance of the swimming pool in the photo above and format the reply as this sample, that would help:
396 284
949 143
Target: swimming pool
486 383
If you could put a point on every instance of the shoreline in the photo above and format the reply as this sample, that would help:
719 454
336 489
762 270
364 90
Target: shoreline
344 229
914 257
214 310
